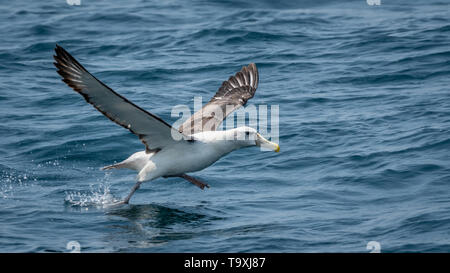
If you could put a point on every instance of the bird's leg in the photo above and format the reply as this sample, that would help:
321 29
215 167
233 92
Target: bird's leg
191 179
135 188
194 181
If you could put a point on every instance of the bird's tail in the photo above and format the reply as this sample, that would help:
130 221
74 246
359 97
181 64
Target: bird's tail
114 166
136 161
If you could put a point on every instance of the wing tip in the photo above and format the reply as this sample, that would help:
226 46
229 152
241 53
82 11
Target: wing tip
68 68
60 51
254 70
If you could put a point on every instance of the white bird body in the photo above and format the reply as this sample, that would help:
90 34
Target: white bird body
207 148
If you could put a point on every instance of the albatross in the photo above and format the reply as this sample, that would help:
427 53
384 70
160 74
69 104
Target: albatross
170 152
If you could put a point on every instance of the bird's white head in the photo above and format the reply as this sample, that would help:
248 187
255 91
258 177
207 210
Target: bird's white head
246 136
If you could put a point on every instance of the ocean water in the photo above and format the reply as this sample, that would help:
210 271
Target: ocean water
364 124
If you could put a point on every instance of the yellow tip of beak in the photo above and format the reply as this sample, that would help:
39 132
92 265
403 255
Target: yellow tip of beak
277 149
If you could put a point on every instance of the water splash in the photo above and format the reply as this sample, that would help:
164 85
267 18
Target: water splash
10 180
99 197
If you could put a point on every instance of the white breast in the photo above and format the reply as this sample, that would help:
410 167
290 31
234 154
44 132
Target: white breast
185 158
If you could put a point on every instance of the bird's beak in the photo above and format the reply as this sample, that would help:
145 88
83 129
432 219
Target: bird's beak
262 142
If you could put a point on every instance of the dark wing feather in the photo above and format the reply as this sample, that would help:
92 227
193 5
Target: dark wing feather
233 94
154 132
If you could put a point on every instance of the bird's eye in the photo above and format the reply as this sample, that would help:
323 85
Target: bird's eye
247 133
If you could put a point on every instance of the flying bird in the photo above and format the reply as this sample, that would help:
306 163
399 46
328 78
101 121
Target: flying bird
170 152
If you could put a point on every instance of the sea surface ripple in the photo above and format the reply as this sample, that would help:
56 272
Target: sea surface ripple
364 100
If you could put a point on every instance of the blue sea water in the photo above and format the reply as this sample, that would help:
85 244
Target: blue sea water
364 99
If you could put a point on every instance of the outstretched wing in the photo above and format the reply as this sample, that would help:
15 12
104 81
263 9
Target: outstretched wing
233 94
154 132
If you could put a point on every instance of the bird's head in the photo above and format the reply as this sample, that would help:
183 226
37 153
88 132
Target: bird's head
247 136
